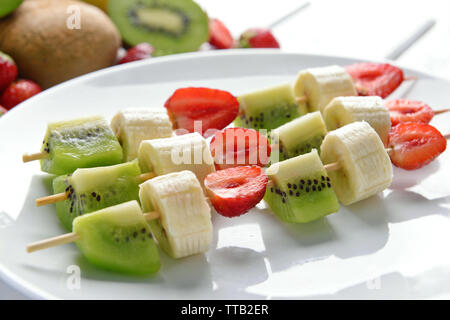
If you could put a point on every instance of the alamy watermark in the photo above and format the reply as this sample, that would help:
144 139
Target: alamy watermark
73 281
73 22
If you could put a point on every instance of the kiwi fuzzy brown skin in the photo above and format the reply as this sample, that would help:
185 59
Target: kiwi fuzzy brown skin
47 51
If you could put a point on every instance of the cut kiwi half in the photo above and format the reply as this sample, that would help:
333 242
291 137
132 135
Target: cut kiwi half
96 188
170 26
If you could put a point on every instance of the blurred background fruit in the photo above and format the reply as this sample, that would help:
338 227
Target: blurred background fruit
8 71
8 6
170 26
2 111
17 92
139 52
47 51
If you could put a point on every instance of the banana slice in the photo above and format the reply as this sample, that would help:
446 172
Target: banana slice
366 168
134 125
344 110
320 85
184 227
178 153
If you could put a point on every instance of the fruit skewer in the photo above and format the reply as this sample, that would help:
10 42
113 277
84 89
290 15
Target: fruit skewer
214 109
182 226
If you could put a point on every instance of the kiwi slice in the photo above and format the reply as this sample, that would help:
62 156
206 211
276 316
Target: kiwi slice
300 135
119 239
268 108
79 143
300 190
170 26
96 188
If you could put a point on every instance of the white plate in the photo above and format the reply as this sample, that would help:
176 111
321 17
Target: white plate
394 245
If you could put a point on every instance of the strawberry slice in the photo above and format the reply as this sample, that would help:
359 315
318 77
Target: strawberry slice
375 79
235 147
403 110
415 144
234 191
219 35
208 108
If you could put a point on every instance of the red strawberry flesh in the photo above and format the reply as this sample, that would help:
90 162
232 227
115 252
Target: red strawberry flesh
234 191
234 147
375 79
219 35
258 38
139 52
8 71
210 108
403 110
414 145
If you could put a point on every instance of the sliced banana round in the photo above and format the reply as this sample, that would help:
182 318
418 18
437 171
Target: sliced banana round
184 227
134 125
186 152
318 86
344 110
365 166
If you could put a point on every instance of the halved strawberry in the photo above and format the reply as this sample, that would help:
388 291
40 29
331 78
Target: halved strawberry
403 110
375 79
235 147
234 191
219 35
209 108
415 144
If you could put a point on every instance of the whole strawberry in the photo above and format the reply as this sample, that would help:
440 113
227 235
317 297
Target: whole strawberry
139 52
258 38
17 92
8 71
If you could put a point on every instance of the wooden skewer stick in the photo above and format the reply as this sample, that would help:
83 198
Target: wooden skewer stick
441 111
34 156
65 195
72 237
409 78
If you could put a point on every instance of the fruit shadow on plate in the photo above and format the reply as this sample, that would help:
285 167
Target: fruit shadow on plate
343 234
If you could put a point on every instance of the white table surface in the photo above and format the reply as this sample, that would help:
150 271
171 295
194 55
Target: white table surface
369 29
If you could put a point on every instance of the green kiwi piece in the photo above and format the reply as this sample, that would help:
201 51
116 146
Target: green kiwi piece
300 190
170 26
96 188
300 135
119 239
79 143
268 108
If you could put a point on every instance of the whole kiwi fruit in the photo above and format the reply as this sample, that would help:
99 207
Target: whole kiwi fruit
44 40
